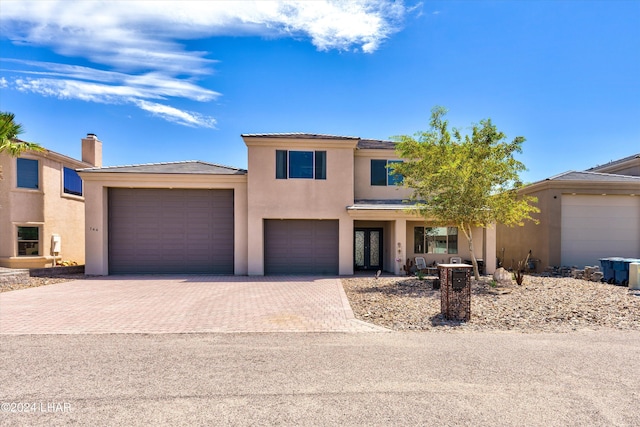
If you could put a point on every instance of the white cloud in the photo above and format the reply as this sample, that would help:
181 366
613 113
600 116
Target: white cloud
135 47
178 116
3 82
75 89
112 94
148 85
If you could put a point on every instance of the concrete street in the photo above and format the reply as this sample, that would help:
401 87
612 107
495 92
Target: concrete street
475 379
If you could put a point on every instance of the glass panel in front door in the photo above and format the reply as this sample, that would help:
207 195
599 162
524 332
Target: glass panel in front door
359 255
374 248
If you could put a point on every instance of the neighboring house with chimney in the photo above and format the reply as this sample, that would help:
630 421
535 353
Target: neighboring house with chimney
584 216
42 206
308 204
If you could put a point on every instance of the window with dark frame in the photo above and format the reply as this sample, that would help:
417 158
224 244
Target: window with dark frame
72 182
435 240
320 165
28 173
281 164
393 178
378 172
301 164
382 174
28 241
418 240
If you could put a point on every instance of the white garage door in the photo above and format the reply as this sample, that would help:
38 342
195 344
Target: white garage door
595 227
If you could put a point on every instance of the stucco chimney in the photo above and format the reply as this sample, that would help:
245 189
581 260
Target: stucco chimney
92 150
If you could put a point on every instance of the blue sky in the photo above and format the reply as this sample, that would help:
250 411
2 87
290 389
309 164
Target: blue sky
168 81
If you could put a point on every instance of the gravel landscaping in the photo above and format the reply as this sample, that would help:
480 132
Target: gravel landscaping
17 282
541 304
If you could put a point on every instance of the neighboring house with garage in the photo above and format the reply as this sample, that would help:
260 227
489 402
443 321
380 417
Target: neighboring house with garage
308 204
42 206
584 216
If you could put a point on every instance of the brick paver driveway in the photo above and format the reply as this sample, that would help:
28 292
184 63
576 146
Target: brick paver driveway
180 304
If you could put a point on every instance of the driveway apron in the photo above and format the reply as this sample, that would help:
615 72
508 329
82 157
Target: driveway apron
181 304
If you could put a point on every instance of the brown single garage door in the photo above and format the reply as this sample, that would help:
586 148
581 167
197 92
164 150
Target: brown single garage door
300 246
170 231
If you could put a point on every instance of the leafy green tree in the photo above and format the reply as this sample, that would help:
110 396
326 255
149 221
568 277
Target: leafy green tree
468 181
9 131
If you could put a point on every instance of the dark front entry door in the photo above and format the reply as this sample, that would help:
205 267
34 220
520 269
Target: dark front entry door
368 249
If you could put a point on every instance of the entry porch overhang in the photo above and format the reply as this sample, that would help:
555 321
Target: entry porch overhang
394 213
399 219
383 209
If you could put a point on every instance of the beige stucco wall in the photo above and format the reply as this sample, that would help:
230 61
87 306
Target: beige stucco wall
96 189
272 198
47 207
64 215
362 177
7 229
543 239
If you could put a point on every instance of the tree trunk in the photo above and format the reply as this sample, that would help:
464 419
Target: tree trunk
469 235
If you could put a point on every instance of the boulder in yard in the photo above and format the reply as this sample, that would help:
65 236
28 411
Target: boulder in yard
502 276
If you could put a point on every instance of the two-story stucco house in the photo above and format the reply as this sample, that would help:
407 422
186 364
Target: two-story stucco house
42 206
308 204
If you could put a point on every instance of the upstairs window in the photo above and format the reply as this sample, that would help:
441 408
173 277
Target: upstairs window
72 182
28 173
301 164
28 241
382 174
435 240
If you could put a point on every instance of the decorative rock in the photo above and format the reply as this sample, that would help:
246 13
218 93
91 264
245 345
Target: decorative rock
577 274
541 304
502 276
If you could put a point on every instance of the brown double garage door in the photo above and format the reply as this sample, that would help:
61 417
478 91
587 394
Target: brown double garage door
171 231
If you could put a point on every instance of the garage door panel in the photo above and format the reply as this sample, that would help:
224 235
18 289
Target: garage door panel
199 214
297 245
172 220
595 227
195 247
301 246
615 220
322 243
171 231
598 236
